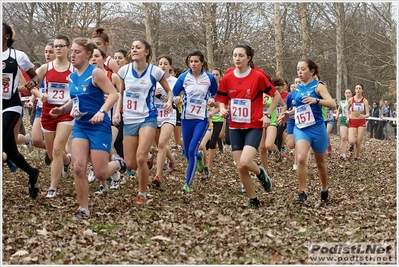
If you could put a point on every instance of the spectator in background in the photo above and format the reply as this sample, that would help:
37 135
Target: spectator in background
380 128
387 114
375 113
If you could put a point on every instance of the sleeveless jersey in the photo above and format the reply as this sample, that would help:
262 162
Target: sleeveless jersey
139 94
302 108
12 61
357 107
56 86
87 98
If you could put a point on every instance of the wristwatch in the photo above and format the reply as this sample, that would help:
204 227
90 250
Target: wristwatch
102 111
267 115
317 101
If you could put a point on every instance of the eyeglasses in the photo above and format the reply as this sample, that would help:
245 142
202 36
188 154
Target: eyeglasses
60 46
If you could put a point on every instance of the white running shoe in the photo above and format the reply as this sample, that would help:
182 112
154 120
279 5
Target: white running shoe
51 193
91 177
66 169
102 189
294 167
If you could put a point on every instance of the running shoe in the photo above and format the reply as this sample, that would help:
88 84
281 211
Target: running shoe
29 144
206 176
253 203
200 162
151 156
277 155
122 180
171 164
81 215
130 172
47 159
51 193
351 148
186 188
141 200
302 197
12 166
33 190
329 152
103 189
114 184
294 167
116 176
241 189
91 177
66 169
264 179
122 164
282 152
324 196
157 180
343 157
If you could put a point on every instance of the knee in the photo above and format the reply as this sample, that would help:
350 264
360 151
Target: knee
79 169
161 145
344 138
57 152
321 165
302 158
142 158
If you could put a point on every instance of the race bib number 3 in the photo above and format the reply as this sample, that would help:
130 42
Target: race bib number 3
358 107
304 116
75 112
58 93
241 110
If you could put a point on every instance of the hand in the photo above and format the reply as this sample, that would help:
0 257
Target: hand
223 113
283 117
211 102
29 105
158 91
266 121
168 107
309 100
116 119
55 112
178 100
97 118
44 98
6 80
30 85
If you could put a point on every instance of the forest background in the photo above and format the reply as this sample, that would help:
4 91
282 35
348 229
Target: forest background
354 42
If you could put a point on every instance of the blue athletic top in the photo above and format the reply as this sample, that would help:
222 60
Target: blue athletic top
290 101
309 90
195 93
88 97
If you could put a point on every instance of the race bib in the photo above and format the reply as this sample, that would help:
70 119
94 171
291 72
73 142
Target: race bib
358 107
330 114
75 112
241 110
58 93
279 109
161 112
7 90
133 102
304 116
196 107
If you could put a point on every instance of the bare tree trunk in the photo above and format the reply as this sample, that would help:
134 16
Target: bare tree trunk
147 22
209 17
339 11
305 30
278 40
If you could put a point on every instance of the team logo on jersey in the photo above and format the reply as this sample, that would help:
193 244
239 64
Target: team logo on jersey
84 87
248 93
143 82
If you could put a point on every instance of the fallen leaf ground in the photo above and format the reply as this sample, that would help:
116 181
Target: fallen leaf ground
209 225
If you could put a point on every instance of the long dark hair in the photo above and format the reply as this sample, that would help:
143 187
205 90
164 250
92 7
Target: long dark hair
249 51
201 57
8 30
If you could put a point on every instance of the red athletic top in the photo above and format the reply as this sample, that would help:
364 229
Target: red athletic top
248 94
357 107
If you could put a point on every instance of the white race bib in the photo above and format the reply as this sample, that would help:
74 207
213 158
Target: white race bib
358 107
241 110
304 116
279 109
58 93
330 114
161 112
75 112
7 90
196 108
133 102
